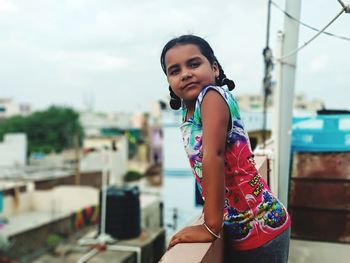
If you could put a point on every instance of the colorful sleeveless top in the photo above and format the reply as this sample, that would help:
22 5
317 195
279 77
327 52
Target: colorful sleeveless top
252 214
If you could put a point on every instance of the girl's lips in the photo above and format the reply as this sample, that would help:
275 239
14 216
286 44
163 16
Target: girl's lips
189 85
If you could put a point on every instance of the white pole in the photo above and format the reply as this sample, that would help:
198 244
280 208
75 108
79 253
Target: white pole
88 256
277 116
284 100
104 192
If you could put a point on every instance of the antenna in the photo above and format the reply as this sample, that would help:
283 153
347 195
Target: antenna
88 101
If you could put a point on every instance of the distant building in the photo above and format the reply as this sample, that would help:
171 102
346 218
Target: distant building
96 124
252 102
253 120
10 108
256 102
139 120
109 154
100 127
302 103
13 150
155 114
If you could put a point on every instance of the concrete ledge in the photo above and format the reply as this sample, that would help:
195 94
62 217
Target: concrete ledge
195 252
28 221
34 238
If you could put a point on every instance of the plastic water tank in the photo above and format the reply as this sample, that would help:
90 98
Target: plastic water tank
122 212
323 133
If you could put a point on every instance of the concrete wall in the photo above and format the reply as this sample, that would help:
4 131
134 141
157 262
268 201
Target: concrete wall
17 204
13 150
64 199
93 179
115 163
175 158
60 199
68 199
22 242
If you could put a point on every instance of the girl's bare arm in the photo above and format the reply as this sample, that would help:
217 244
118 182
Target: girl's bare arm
215 118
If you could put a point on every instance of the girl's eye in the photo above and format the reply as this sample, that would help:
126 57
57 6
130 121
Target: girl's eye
174 72
194 64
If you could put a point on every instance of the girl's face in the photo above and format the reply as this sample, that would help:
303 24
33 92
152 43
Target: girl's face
189 71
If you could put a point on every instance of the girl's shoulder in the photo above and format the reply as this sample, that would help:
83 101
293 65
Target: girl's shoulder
196 118
226 95
223 91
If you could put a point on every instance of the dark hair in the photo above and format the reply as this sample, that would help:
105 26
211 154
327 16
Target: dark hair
206 50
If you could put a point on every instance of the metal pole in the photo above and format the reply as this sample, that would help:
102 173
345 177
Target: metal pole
88 256
77 158
268 23
284 100
267 79
104 193
277 116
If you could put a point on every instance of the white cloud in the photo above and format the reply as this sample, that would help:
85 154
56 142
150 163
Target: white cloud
319 63
75 4
7 6
13 44
90 61
73 45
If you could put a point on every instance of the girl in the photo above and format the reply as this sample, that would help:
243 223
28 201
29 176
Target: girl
256 225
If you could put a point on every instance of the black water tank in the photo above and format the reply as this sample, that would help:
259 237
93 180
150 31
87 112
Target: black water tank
123 212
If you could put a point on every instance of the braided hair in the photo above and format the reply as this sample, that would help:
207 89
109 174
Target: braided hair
207 51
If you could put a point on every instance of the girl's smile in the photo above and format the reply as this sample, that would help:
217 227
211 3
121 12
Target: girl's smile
188 72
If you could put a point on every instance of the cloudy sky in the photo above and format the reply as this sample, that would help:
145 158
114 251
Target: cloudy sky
70 52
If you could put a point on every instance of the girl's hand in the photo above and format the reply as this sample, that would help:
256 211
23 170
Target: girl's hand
191 234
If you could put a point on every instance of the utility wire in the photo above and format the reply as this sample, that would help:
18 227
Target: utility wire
313 38
346 7
308 26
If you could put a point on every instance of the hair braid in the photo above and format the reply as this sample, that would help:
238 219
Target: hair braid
175 101
222 80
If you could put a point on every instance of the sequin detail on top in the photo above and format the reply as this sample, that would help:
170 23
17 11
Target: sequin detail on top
252 214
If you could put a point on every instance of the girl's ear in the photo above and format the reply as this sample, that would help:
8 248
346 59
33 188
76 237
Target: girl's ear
216 70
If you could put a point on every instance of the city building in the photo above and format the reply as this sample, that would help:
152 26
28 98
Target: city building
97 124
13 150
255 102
9 108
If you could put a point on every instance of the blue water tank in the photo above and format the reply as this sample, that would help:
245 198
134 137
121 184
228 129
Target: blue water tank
322 133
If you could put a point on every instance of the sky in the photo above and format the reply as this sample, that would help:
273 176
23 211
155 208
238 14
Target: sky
105 53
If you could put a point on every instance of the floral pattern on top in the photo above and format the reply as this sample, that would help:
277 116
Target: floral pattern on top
252 214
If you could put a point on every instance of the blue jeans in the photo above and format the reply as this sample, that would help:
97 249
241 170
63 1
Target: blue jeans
274 251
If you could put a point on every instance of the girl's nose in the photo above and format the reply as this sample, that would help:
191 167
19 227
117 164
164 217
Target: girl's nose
186 75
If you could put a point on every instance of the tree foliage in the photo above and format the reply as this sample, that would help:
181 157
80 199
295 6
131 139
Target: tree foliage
49 130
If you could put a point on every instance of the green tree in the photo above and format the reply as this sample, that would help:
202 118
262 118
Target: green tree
49 130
